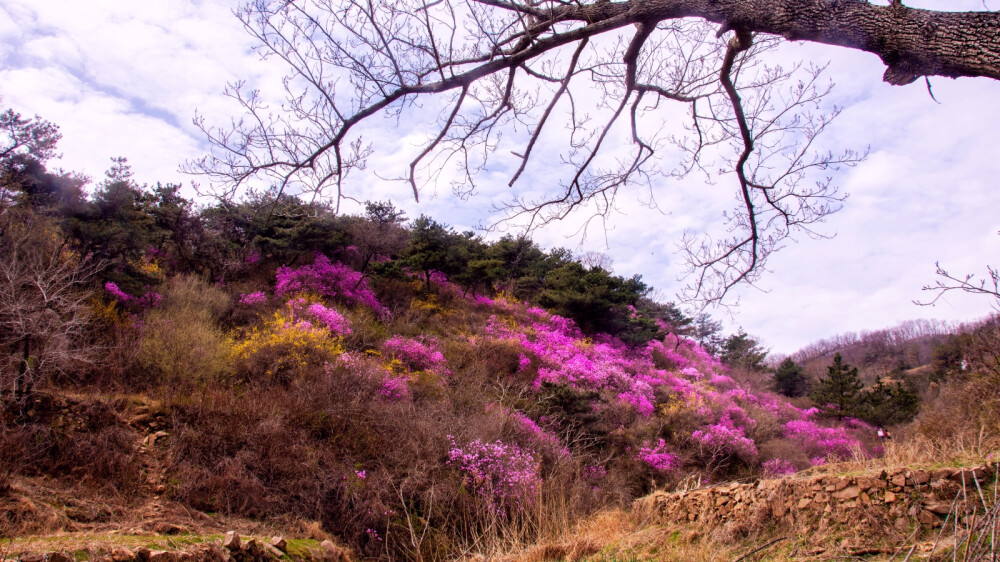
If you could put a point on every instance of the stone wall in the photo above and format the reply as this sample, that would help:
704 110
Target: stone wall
899 497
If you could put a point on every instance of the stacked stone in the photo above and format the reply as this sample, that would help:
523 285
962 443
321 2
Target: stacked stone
900 496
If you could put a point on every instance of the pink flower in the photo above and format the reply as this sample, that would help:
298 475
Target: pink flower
253 298
778 467
119 294
503 475
417 354
332 280
658 457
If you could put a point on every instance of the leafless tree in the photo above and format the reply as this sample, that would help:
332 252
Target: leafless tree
43 304
612 72
988 285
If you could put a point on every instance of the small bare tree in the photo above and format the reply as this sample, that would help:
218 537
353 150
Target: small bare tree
987 285
43 304
609 71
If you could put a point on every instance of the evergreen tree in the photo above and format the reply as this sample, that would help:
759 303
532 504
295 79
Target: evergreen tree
743 350
839 393
884 405
790 380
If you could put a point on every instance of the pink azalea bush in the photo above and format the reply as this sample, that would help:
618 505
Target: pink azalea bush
250 299
658 457
394 389
819 442
148 300
504 476
330 280
304 312
723 439
776 468
417 354
676 369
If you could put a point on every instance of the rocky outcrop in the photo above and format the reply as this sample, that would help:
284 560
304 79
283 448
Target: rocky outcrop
902 498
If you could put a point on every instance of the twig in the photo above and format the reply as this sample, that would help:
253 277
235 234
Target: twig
755 551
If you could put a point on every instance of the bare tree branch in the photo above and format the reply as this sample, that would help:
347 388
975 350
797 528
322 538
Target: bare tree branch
354 61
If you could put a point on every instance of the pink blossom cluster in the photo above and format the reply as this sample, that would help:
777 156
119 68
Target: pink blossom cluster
725 438
417 354
541 437
148 300
658 457
482 300
394 389
822 442
594 472
503 475
305 315
331 280
777 467
676 371
258 297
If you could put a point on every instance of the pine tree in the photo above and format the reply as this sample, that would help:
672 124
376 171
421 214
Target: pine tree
840 392
884 405
789 379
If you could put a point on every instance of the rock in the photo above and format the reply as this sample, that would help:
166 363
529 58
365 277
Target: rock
163 556
926 517
32 558
847 493
921 477
122 554
59 557
232 541
142 553
899 479
279 543
804 503
273 551
940 508
968 475
901 523
890 497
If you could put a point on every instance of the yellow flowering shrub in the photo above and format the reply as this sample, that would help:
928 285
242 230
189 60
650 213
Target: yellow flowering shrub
284 346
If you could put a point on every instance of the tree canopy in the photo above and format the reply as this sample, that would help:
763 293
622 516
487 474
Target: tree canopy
504 73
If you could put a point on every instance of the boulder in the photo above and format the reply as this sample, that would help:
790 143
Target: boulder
940 508
232 541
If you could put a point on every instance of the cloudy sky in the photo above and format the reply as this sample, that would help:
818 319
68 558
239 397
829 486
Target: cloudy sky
124 78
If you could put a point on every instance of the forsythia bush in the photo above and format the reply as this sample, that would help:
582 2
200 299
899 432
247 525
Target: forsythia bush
298 337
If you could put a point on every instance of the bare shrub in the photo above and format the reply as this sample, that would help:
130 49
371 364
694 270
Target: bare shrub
181 341
84 440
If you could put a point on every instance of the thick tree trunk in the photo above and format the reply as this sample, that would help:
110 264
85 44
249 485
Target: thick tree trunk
911 42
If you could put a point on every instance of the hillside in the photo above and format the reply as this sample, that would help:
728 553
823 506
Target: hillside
368 386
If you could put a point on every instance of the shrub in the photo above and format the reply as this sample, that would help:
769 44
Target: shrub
504 476
330 280
181 342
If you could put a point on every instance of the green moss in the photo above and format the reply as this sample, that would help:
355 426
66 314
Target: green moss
299 548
